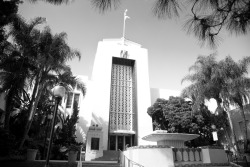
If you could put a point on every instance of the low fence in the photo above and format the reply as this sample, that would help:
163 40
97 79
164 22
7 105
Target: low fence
187 155
165 156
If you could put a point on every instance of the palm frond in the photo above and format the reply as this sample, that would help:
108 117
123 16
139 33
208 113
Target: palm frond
35 22
61 51
81 85
244 64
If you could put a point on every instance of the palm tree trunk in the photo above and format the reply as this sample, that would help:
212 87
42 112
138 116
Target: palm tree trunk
32 108
230 123
244 127
229 139
8 108
232 129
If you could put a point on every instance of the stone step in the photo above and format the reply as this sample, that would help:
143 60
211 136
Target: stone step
58 163
201 165
108 155
194 164
36 164
100 164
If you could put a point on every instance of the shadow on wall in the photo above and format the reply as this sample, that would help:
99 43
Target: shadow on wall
99 121
238 123
82 129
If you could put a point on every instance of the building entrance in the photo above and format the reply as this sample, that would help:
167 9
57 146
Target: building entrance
120 142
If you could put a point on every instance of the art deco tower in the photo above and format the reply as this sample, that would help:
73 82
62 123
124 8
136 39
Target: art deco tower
122 93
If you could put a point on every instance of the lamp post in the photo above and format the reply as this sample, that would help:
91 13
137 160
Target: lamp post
49 117
58 92
214 133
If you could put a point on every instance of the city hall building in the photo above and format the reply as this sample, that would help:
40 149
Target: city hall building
113 114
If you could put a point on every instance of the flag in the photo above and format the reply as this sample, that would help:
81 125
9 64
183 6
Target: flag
125 15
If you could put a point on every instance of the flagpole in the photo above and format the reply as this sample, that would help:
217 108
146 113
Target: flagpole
123 32
124 23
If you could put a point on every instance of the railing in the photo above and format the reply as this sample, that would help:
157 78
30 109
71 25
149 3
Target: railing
187 155
234 165
126 162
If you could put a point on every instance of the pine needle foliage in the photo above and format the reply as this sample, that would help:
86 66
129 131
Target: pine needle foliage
207 18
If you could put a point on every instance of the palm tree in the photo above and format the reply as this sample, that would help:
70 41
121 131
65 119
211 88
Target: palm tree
66 79
202 84
47 52
15 69
236 89
15 65
206 84
225 81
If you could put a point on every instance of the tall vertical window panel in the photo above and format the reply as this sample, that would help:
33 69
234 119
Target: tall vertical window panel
122 98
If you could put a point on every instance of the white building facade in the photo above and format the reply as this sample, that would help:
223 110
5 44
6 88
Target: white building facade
122 94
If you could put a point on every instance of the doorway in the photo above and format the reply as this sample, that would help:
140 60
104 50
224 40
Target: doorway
120 142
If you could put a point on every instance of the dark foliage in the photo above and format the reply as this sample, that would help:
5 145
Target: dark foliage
206 17
7 11
7 142
65 137
176 116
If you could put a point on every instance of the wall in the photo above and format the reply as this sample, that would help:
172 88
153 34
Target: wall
85 113
85 105
214 156
150 156
94 132
236 118
144 121
101 77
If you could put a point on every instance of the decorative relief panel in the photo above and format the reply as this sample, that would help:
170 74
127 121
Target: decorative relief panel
122 108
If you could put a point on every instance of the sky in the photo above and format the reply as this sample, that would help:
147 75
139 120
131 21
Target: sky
171 51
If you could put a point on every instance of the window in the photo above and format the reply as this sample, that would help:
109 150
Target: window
76 98
72 98
122 102
124 54
69 100
95 143
112 142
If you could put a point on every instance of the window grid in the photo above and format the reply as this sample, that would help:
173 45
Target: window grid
122 98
